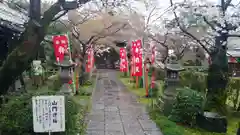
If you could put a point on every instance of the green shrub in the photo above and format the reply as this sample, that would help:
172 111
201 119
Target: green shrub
197 81
153 92
86 91
187 106
193 80
166 126
55 83
88 83
16 115
85 77
160 74
189 63
233 93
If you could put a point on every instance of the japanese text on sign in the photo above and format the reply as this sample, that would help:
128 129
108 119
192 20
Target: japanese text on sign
48 114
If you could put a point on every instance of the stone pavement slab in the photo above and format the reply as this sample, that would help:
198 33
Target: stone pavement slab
115 111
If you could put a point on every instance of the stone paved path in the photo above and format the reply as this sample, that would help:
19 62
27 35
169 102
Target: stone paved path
115 111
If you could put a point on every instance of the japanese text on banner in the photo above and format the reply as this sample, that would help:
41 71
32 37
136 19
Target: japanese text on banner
137 58
60 45
90 60
123 60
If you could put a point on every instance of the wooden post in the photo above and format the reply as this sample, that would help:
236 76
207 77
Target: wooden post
146 81
77 78
136 81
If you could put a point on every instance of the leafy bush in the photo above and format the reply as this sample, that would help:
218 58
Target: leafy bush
197 81
160 74
189 63
16 115
154 91
166 126
85 91
54 83
187 106
88 83
193 80
233 93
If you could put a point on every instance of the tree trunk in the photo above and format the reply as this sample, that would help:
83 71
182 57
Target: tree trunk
22 56
22 82
217 78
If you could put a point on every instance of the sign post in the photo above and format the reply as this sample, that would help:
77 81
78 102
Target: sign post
48 114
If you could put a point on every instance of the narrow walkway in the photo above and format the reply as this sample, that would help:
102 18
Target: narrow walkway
115 111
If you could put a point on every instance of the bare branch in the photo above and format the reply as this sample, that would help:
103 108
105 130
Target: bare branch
161 43
59 16
210 25
233 35
161 15
186 32
149 16
101 35
226 5
48 41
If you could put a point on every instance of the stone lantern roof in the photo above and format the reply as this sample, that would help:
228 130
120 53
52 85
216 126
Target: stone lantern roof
174 65
65 63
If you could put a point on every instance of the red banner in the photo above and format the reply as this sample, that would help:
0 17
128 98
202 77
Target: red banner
137 53
90 61
60 45
123 60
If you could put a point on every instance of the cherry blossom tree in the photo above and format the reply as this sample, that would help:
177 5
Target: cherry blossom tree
19 59
95 25
218 22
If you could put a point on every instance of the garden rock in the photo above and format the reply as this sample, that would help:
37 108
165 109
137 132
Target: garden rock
212 122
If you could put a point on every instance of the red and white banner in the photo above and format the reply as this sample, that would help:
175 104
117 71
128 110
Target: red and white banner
60 45
137 58
123 60
90 61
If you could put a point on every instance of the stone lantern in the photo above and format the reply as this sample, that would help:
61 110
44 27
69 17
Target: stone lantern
65 74
172 69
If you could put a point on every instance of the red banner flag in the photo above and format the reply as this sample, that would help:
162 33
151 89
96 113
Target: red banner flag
123 60
90 60
138 58
60 45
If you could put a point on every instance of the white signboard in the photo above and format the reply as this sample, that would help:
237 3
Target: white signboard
48 114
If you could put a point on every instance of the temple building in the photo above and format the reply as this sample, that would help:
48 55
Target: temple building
234 62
